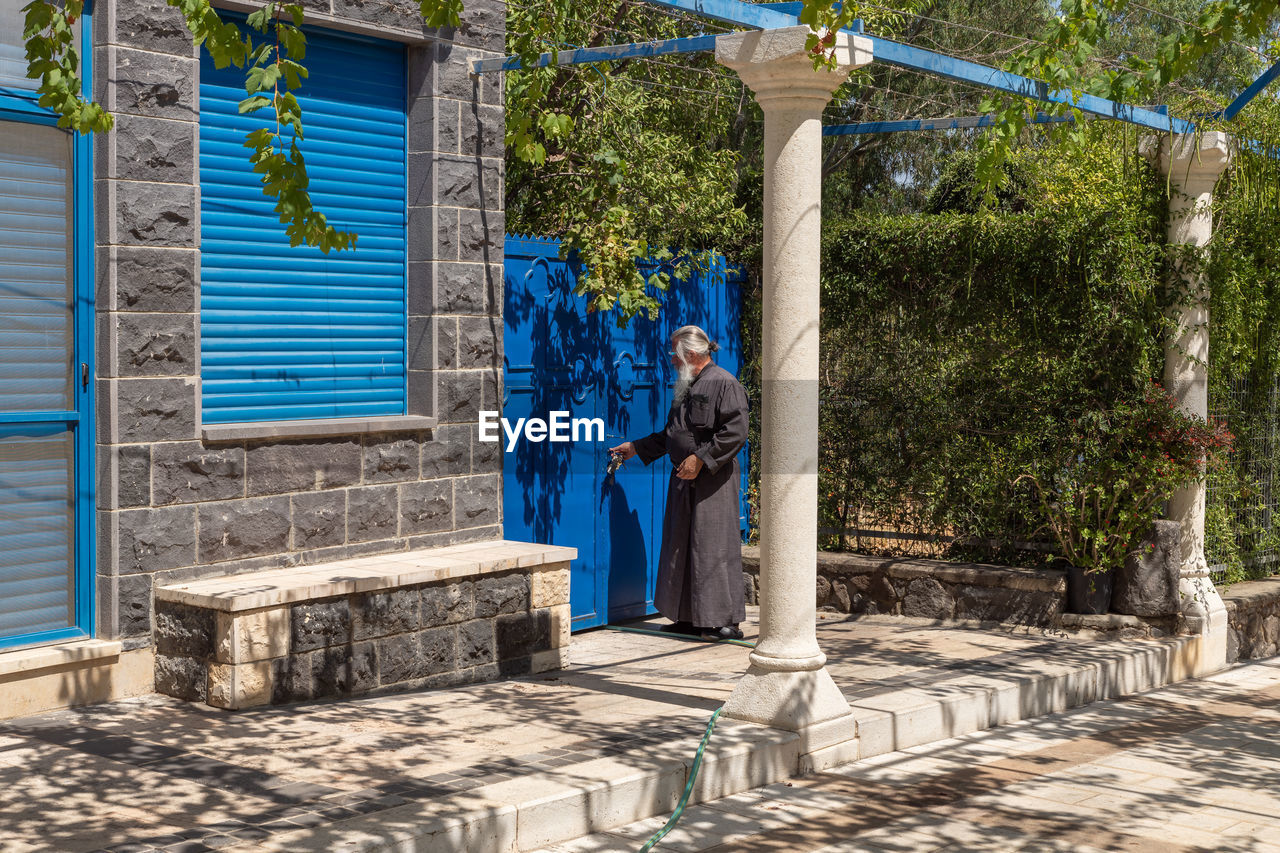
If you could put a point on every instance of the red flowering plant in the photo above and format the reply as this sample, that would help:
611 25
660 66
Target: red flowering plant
1110 475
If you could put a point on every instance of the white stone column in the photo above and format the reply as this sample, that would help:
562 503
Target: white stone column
1193 165
787 685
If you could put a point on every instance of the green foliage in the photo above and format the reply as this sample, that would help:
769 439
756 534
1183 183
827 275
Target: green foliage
626 161
275 157
956 190
957 349
1105 481
49 31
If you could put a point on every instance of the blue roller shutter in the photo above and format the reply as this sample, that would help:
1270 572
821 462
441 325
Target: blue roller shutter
289 333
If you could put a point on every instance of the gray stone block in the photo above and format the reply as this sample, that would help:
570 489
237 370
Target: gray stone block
460 182
155 409
477 501
479 341
447 604
292 679
461 288
372 513
426 507
181 677
400 659
243 528
184 630
445 451
421 393
134 596
421 349
315 626
486 456
421 124
427 243
453 75
319 519
476 645
162 280
421 186
459 396
346 669
155 214
1147 584
480 235
303 465
439 650
390 460
155 539
421 288
396 14
156 344
154 84
483 131
152 149
521 634
378 614
133 473
152 25
499 594
484 25
446 339
447 128
188 472
928 599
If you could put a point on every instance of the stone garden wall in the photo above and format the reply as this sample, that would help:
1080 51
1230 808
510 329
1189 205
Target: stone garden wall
1253 619
931 589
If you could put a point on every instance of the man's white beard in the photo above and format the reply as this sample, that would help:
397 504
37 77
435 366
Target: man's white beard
684 378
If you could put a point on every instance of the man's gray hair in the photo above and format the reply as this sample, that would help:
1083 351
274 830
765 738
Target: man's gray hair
691 340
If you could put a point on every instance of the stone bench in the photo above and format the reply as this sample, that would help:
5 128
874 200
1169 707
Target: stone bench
407 620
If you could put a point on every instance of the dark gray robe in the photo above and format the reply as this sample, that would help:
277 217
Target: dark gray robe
700 567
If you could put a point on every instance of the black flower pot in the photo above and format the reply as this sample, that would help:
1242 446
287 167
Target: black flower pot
1088 593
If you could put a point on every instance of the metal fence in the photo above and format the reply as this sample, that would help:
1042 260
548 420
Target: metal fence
1241 518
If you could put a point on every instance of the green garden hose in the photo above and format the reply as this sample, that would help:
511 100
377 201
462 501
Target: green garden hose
697 758
688 788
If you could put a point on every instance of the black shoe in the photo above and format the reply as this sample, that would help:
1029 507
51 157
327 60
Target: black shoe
728 632
685 628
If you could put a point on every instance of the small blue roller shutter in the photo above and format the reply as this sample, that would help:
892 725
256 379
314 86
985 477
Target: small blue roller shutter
289 333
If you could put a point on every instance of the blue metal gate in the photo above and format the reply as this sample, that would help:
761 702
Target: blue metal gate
560 357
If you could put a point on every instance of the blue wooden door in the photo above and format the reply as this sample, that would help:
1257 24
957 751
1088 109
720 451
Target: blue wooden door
560 357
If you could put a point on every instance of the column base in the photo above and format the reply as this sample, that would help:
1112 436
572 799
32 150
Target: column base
1205 615
806 702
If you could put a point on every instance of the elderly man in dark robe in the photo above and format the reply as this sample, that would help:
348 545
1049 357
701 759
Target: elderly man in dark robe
699 586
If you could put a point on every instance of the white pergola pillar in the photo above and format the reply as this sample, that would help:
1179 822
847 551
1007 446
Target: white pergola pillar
1193 165
787 685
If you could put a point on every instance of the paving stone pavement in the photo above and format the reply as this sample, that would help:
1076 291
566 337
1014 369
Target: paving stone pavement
1190 767
160 774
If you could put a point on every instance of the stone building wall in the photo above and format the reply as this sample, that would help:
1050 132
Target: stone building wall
176 500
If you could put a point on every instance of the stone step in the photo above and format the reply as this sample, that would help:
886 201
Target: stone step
549 807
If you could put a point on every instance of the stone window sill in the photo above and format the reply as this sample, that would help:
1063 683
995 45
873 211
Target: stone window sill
315 428
23 661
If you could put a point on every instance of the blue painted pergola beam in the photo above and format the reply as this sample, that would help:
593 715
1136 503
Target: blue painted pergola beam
941 65
1255 88
960 122
609 53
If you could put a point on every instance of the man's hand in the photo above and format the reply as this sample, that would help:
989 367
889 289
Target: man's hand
627 449
690 467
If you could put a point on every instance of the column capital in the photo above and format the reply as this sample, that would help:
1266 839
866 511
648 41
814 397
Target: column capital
775 64
1193 162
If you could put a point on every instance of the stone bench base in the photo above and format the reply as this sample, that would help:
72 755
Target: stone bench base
409 620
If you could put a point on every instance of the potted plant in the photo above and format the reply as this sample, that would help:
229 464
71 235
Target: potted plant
1108 480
